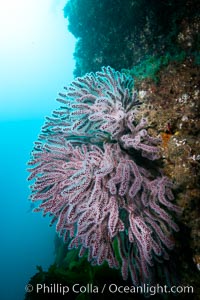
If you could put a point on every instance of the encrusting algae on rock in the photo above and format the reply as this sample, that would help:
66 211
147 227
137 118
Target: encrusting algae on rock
172 107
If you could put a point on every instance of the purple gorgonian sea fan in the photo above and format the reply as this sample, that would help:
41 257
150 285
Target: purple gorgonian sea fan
94 170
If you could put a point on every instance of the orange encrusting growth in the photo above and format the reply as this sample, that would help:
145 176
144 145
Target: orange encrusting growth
165 139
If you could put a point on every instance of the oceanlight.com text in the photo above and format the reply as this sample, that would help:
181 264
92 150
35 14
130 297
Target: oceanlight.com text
58 288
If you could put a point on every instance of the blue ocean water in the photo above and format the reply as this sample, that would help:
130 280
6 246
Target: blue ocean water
26 239
34 68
